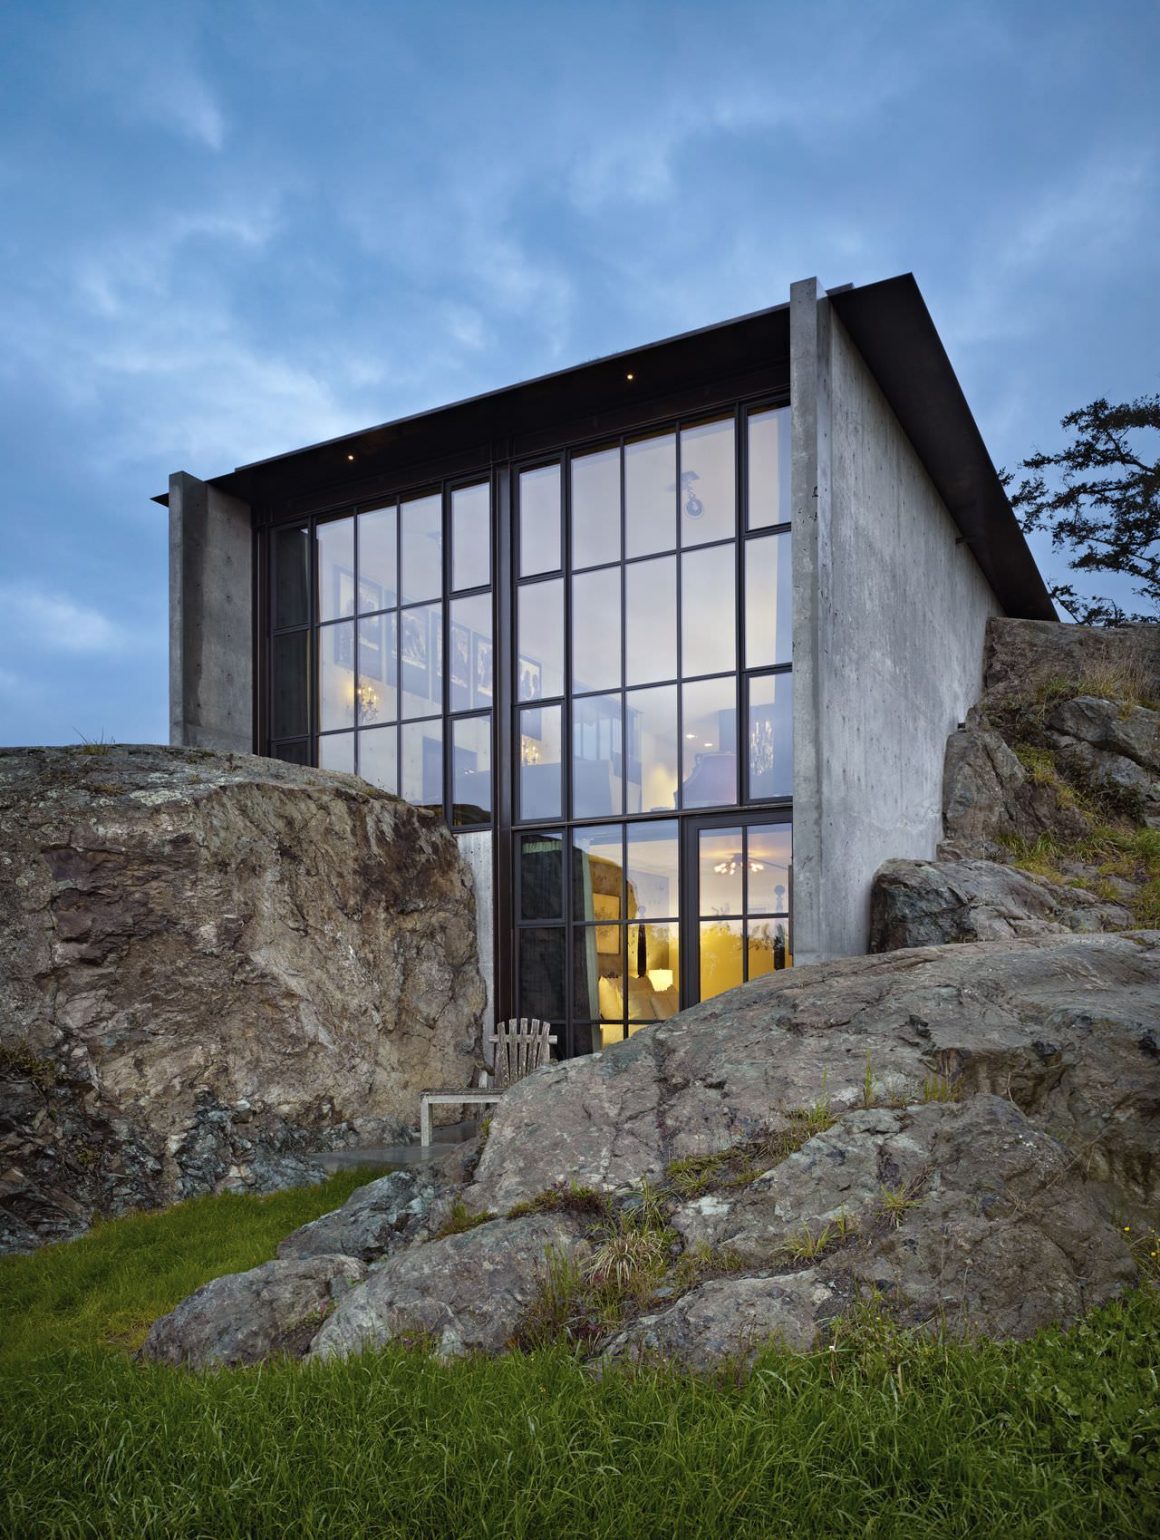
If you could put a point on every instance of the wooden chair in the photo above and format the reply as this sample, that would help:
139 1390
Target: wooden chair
520 1047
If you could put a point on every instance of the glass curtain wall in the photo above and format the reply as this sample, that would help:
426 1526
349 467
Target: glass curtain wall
653 651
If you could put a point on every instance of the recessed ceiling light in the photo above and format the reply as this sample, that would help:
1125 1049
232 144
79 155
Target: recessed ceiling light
630 376
350 457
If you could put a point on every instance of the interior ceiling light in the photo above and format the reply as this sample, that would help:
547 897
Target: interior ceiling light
732 865
350 457
630 376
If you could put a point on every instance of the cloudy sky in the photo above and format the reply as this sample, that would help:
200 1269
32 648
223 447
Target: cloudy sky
231 228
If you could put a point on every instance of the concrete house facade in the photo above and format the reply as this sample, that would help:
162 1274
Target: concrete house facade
672 640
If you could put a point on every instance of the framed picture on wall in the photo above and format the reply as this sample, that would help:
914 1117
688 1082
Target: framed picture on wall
371 647
481 670
530 680
413 651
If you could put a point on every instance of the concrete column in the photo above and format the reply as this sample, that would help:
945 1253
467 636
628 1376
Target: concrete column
809 323
211 641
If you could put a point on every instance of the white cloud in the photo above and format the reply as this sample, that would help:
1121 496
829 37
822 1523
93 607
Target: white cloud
49 621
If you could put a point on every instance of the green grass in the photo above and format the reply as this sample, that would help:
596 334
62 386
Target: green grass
882 1434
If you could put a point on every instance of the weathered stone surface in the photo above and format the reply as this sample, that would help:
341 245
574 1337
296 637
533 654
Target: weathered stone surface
988 798
244 1318
465 1293
928 903
374 1221
212 966
1055 1023
1124 730
1021 656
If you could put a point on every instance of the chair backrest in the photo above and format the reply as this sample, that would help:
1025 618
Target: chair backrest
520 1047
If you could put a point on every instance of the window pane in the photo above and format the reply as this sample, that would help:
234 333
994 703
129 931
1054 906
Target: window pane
540 782
290 702
336 676
471 536
377 579
598 972
422 542
291 577
377 758
710 744
540 630
651 726
541 876
378 669
596 630
292 753
598 874
540 520
720 871
596 508
653 871
336 752
769 857
769 466
768 947
651 620
471 771
335 569
721 958
540 977
768 601
470 673
423 763
653 972
708 611
771 736
597 757
708 483
421 660
650 502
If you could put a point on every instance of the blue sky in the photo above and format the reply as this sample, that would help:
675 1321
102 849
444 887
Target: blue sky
232 228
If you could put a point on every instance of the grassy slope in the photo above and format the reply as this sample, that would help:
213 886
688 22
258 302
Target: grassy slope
882 1436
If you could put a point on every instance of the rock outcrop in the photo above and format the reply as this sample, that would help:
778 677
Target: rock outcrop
213 966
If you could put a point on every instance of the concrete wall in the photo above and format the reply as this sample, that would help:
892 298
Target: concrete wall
211 671
890 612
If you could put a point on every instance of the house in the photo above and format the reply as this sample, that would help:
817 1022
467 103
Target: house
674 639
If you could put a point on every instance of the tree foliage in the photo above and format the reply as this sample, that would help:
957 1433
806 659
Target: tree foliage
1100 498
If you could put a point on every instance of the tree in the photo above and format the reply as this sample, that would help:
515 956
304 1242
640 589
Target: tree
1103 504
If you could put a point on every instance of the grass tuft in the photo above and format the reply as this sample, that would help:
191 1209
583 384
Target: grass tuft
460 1219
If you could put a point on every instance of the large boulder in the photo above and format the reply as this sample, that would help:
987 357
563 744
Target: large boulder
374 1221
929 903
1026 657
214 965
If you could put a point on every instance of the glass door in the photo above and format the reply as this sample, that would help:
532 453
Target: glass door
739 882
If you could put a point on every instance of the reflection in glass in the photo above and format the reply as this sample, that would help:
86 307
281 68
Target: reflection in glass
540 782
541 876
721 956
421 523
540 631
471 771
471 536
768 601
768 947
470 656
708 611
421 660
596 629
769 858
651 620
423 763
708 483
770 745
292 753
651 728
377 563
336 676
769 465
335 569
720 871
290 702
291 577
597 757
598 972
653 972
709 747
540 971
598 875
378 669
650 495
336 752
653 871
595 508
540 520
378 758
